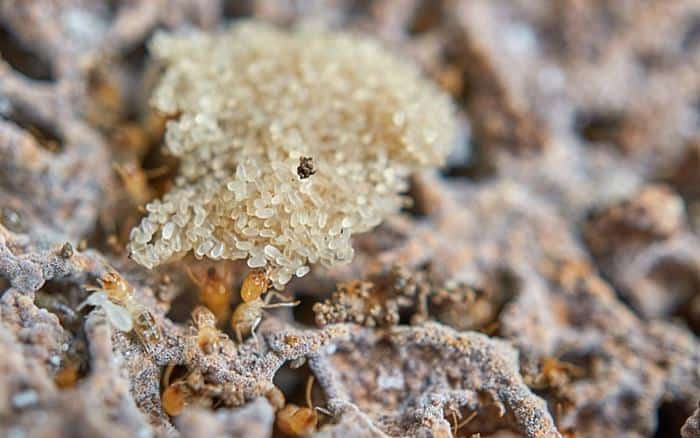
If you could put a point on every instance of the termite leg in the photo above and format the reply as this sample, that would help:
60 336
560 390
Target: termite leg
239 335
252 330
166 374
309 387
309 401
274 293
285 304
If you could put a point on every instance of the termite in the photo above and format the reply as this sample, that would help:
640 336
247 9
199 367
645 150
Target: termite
249 313
214 290
115 296
300 421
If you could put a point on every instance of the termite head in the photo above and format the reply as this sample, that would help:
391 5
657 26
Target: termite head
175 398
114 285
203 317
208 336
296 420
254 285
195 380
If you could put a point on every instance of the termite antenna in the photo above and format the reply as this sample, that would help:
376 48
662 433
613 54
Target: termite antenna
455 425
309 387
324 411
192 276
255 325
285 304
166 375
309 400
465 421
156 171
239 335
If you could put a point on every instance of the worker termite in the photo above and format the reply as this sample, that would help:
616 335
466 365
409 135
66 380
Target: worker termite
214 290
212 395
114 286
175 398
298 421
194 390
136 181
115 296
248 315
208 337
145 326
177 395
556 374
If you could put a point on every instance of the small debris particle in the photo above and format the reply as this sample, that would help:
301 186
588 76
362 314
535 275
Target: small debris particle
306 167
11 219
66 250
291 340
24 399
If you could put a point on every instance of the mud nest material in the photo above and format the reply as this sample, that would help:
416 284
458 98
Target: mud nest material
254 100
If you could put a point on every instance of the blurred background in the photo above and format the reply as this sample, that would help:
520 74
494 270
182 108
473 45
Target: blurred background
583 100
